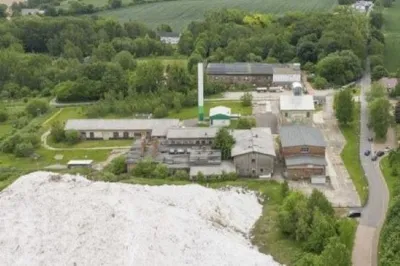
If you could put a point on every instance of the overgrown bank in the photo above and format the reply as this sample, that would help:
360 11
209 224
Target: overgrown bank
389 251
351 155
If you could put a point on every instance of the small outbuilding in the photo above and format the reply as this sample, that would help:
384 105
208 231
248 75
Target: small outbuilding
220 116
80 163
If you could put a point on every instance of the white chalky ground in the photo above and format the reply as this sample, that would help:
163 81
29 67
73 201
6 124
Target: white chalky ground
49 219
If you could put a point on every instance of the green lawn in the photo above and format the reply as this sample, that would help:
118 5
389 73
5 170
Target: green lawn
392 36
68 113
189 113
92 143
387 173
166 60
351 156
96 3
178 14
5 128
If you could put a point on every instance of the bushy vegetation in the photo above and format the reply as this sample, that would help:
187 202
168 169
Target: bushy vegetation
379 107
312 223
390 235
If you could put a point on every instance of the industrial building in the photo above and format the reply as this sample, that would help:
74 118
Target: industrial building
303 150
254 152
121 128
220 116
296 109
255 74
190 149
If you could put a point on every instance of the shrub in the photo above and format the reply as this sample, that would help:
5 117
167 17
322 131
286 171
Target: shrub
117 166
24 149
72 137
57 132
3 115
160 111
246 99
181 175
37 107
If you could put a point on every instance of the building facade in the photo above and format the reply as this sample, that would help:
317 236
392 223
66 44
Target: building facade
106 129
254 152
303 151
195 136
169 37
296 109
254 74
220 116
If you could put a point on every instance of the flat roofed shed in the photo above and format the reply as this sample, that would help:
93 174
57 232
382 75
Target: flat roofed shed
220 110
192 133
159 127
296 103
249 68
301 135
259 140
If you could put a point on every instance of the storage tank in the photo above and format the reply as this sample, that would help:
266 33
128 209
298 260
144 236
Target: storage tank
297 88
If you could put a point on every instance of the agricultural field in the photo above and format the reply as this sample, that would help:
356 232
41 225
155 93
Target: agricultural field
392 36
178 14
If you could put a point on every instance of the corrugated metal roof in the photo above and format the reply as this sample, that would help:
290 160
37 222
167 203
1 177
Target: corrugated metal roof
192 133
249 68
302 160
301 135
258 140
220 110
296 102
225 166
159 127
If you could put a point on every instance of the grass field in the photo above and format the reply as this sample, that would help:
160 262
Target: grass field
392 36
189 113
351 156
166 60
178 14
93 143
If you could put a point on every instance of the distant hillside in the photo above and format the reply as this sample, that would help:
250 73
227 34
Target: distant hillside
178 14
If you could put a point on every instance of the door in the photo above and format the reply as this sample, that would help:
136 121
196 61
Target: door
91 135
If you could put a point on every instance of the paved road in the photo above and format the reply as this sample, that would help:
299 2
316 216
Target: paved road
367 237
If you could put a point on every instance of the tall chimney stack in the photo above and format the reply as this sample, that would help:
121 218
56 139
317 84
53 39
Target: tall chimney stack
200 83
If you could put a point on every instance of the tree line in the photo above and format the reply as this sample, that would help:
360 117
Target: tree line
311 222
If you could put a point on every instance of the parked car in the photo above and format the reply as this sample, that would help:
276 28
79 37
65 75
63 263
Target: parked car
367 152
380 153
370 139
374 158
354 214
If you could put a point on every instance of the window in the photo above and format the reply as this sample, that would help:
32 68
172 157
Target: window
115 135
286 114
253 160
203 142
83 135
91 135
304 150
126 135
198 142
254 171
308 114
172 141
261 170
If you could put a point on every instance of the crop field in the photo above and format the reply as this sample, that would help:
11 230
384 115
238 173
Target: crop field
392 37
178 14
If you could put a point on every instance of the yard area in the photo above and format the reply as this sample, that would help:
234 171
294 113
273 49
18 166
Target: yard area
189 113
351 155
391 18
178 14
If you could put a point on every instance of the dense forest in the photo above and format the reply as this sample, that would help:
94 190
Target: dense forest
81 58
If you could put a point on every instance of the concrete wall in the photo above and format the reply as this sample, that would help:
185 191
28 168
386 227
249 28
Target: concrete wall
232 79
261 164
286 78
296 150
191 142
304 117
220 122
110 134
300 172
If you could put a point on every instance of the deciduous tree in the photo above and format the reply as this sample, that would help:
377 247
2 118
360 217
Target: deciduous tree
224 141
344 106
379 116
